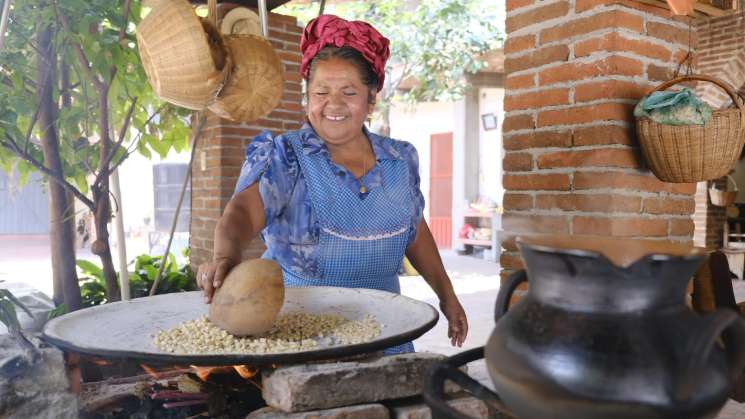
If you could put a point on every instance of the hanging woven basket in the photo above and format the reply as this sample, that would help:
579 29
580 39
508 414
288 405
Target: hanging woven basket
184 56
723 198
694 153
256 81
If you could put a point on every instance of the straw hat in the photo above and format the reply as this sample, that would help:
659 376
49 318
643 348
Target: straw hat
241 21
254 87
184 58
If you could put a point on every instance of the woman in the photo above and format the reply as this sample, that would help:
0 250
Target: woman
335 204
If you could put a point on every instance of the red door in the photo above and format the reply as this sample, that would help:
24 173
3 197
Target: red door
441 188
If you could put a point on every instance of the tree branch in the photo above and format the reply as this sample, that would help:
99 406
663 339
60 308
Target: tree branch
12 146
115 165
119 141
79 51
31 128
123 29
122 32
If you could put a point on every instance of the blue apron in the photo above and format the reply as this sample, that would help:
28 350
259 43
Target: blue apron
362 239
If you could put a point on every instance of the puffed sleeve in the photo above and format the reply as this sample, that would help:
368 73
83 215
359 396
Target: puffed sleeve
271 162
409 153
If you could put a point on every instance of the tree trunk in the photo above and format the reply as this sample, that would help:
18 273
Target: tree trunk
62 215
102 215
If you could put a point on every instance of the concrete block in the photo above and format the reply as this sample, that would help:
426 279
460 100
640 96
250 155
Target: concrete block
306 387
468 405
363 411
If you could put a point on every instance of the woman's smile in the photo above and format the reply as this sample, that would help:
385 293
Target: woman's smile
335 118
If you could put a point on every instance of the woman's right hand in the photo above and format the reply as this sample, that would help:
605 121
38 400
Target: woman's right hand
211 275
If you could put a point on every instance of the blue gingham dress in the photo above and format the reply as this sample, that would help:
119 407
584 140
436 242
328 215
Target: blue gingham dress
325 232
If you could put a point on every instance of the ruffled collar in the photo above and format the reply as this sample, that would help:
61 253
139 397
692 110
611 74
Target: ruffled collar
313 144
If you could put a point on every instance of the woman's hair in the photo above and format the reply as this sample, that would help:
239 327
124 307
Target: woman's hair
351 55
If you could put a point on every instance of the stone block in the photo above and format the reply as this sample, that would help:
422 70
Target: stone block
40 389
306 387
363 411
468 405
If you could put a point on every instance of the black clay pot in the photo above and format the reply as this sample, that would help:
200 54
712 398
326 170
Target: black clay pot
604 332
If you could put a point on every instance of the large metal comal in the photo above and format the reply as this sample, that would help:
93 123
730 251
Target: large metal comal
125 329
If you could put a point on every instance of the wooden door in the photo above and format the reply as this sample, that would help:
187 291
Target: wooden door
441 188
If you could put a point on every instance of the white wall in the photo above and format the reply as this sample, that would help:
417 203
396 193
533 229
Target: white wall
490 146
136 183
415 124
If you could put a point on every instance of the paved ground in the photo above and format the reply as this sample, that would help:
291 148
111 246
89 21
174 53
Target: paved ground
26 259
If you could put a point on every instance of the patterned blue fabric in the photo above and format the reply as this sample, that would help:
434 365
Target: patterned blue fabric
328 233
292 230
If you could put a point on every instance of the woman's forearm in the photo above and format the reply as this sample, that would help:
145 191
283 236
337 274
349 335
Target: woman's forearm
425 258
227 241
241 221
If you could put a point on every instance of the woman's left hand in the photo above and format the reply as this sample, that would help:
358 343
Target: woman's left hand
457 321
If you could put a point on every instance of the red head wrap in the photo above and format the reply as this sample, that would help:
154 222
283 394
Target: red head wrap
330 30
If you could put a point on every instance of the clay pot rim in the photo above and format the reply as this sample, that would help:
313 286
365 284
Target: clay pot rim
620 252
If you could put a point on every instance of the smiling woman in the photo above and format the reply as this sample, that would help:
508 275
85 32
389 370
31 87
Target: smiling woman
335 204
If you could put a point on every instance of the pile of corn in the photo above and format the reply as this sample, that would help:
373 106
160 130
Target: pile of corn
291 332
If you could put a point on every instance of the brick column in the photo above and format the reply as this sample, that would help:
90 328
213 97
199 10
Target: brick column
220 153
720 53
575 69
708 218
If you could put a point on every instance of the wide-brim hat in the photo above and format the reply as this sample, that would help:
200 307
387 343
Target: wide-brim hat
254 87
183 57
241 21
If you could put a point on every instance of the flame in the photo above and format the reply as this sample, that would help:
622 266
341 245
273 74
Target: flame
245 371
150 371
202 372
165 373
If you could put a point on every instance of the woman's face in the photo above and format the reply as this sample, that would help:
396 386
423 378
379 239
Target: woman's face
337 101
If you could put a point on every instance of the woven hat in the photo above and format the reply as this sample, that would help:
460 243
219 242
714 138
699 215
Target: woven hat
183 56
254 87
241 21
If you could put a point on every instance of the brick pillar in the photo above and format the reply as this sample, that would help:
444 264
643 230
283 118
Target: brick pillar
720 53
709 219
220 152
575 69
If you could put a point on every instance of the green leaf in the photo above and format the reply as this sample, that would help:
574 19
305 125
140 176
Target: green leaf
58 311
151 271
89 268
8 315
81 182
7 294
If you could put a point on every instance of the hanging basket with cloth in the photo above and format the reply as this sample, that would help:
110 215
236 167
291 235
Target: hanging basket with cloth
723 198
694 153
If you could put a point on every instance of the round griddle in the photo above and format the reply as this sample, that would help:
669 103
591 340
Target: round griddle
125 329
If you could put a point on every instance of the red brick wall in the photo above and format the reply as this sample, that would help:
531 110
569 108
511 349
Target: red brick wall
720 53
575 69
223 142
